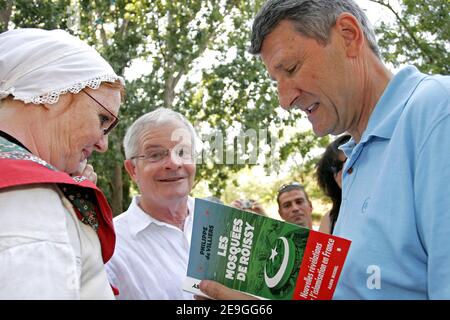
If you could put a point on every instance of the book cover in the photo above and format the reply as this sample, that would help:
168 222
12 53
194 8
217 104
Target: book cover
264 257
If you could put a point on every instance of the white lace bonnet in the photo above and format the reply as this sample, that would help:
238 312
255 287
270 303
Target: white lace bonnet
37 66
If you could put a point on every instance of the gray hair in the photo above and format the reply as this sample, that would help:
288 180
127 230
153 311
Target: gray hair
312 18
149 121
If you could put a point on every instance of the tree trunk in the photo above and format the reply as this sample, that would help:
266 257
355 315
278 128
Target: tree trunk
117 190
5 16
169 92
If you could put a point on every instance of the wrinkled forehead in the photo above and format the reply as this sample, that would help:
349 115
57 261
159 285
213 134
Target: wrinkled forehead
165 134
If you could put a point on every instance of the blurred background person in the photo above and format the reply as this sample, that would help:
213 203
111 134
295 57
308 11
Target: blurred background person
329 179
294 205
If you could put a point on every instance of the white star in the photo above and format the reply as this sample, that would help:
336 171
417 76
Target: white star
273 254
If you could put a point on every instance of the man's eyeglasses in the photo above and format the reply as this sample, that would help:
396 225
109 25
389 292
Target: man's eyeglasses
180 153
292 184
115 121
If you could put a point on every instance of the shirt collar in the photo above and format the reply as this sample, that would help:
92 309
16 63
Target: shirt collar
347 147
388 109
140 220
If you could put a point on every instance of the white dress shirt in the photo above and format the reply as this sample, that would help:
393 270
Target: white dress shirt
151 257
45 251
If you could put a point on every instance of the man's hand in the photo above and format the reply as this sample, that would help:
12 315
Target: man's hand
237 204
254 206
218 291
257 208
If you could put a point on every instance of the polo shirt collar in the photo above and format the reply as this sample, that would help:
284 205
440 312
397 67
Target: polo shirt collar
387 111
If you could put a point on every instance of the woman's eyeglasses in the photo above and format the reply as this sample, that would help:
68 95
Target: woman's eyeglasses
115 121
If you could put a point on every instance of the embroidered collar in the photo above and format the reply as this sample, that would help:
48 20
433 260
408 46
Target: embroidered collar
82 199
12 140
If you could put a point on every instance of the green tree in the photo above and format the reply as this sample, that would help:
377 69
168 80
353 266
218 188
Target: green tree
419 35
46 14
173 37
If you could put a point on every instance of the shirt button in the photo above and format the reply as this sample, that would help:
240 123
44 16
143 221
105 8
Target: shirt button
350 170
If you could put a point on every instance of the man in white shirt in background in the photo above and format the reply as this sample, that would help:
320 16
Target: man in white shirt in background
153 236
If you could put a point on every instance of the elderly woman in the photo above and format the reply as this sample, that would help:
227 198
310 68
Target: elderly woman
59 99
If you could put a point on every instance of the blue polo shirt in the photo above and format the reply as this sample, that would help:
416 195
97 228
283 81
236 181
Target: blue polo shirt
396 195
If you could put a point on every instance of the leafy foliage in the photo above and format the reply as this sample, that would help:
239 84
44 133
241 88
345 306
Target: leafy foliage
175 37
420 35
170 36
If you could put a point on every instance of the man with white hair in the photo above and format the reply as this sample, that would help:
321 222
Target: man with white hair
153 235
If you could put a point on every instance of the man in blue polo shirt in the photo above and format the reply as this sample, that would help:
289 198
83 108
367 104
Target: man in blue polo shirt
396 200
